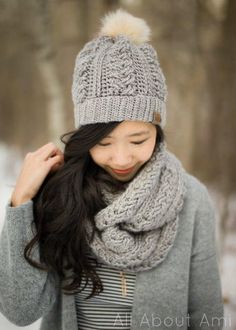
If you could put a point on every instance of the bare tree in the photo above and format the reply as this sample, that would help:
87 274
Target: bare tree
45 59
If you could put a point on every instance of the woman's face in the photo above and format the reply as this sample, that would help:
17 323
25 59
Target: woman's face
129 145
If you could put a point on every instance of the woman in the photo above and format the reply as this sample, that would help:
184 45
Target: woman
112 233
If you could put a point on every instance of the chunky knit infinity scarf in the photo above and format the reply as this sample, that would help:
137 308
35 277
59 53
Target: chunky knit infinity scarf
137 228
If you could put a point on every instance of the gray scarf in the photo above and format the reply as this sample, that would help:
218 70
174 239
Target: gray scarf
138 227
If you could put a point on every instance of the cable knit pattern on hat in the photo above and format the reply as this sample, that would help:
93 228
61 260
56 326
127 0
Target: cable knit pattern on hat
138 227
120 71
116 78
157 83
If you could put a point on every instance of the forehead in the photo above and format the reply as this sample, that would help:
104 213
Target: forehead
127 128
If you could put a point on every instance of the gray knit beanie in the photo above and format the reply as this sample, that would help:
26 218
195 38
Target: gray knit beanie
117 75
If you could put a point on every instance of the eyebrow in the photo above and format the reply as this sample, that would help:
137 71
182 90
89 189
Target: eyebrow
134 134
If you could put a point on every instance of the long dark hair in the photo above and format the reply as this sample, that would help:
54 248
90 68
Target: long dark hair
67 199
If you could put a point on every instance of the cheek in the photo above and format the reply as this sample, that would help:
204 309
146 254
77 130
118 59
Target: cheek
147 151
145 154
97 156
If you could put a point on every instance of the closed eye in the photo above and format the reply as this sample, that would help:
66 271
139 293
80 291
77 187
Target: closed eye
107 144
139 142
103 145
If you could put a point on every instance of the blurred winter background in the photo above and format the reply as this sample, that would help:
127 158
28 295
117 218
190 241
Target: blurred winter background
195 41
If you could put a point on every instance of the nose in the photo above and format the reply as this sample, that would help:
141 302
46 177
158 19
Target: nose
122 158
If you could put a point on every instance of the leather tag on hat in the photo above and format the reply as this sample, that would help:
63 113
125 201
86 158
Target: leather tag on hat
156 118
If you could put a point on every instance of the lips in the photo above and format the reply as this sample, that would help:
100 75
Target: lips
128 170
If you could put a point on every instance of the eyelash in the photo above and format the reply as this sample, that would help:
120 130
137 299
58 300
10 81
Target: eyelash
106 144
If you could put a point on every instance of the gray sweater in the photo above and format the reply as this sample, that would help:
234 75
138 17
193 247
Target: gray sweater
183 292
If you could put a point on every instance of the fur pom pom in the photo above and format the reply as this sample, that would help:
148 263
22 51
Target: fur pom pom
121 22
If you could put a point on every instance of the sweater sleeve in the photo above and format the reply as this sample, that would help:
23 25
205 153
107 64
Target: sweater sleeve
205 293
26 293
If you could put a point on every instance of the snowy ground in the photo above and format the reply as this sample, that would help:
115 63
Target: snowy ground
10 164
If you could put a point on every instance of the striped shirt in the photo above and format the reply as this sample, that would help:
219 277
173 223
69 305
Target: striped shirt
110 309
